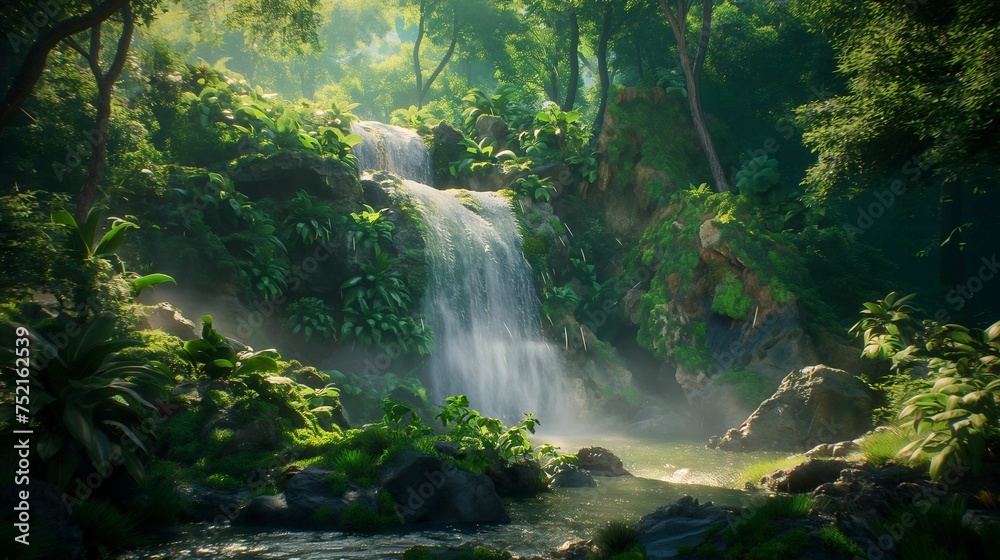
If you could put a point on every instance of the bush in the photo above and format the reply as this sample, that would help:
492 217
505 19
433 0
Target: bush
616 537
359 466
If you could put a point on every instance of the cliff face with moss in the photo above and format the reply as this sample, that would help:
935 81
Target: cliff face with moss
717 293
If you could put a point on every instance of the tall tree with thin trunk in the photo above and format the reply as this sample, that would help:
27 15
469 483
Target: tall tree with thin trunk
607 26
427 9
572 85
105 80
677 12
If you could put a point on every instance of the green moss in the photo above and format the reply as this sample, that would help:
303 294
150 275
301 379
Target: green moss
223 481
418 553
160 347
692 358
323 517
215 399
359 519
730 300
389 515
832 538
749 387
220 437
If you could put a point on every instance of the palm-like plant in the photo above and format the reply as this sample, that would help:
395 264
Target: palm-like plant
214 356
308 221
84 403
371 229
309 316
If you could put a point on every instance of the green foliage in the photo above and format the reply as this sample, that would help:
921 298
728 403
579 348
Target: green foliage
358 518
754 471
413 117
308 316
270 123
26 254
85 402
749 387
223 481
883 447
359 466
832 538
337 482
501 104
616 537
535 187
212 355
478 158
956 419
477 432
371 229
790 506
307 221
729 299
937 530
758 176
557 134
760 540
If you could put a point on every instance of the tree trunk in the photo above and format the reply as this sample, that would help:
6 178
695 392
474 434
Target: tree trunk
441 65
574 61
105 87
34 63
692 76
952 265
553 84
416 53
602 66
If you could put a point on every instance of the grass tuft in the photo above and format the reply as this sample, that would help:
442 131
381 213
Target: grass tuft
754 471
616 537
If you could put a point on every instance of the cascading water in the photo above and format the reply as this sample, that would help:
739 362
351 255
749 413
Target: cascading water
480 298
481 303
394 149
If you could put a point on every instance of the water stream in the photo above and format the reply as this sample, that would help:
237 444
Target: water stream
391 148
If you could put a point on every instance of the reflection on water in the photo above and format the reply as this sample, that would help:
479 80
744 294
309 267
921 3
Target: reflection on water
665 471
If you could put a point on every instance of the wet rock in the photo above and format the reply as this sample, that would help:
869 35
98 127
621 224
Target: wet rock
427 490
307 503
598 461
805 477
709 234
169 319
449 448
571 476
518 479
322 177
575 550
682 523
210 506
815 405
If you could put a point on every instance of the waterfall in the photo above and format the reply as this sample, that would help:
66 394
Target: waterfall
394 149
480 299
481 302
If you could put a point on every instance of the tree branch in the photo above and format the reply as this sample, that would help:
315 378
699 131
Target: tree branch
34 63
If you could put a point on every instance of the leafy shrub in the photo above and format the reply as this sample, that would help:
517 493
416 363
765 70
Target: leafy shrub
959 416
371 229
535 187
308 221
413 117
478 158
308 316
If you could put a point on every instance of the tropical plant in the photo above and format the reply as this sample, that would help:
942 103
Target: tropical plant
477 432
538 188
672 81
371 229
758 175
585 164
263 274
308 221
413 117
957 418
85 403
308 316
378 286
563 296
214 356
556 134
501 104
478 158
82 241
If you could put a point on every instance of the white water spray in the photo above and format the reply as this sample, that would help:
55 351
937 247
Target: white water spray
394 149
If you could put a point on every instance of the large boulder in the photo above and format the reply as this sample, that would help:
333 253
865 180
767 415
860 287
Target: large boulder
804 477
572 476
598 461
282 175
518 479
427 490
682 523
307 503
814 405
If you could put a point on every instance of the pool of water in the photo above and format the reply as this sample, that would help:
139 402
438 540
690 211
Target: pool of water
664 472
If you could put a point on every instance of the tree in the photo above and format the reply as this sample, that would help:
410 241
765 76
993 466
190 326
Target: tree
922 103
677 15
105 84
